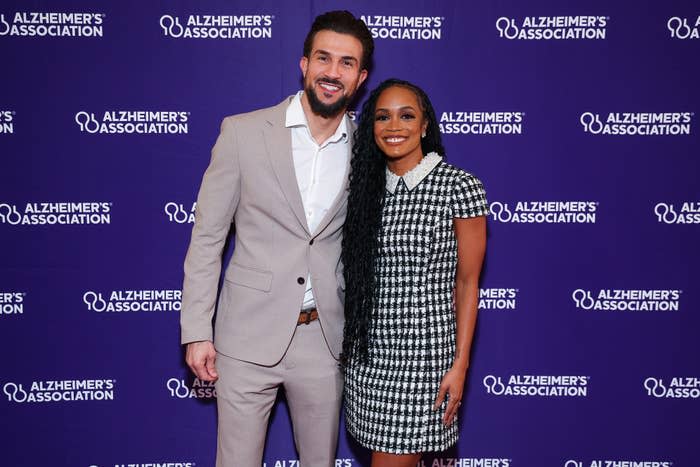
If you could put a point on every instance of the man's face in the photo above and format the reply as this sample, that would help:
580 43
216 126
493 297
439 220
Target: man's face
332 72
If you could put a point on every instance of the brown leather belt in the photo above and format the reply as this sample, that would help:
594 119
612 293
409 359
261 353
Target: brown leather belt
307 316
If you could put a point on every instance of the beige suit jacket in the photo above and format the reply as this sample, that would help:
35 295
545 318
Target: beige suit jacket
251 183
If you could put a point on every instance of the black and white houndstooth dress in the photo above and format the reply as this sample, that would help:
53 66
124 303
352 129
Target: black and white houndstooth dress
388 402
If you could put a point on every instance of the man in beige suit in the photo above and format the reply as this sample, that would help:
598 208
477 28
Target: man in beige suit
279 175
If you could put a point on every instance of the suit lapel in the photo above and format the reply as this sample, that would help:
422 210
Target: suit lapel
278 142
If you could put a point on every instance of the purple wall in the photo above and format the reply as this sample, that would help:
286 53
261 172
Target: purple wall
580 118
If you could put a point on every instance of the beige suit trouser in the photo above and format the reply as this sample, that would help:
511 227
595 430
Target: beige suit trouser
246 393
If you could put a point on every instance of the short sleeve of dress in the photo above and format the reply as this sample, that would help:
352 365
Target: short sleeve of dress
468 197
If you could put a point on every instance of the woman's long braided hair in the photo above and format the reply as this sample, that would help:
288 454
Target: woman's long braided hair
364 214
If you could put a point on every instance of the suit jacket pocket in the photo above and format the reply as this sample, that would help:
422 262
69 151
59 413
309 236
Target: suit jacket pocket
248 277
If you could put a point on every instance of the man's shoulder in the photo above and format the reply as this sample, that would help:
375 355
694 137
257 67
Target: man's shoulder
271 114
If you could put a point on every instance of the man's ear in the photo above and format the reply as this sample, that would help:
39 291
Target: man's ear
363 77
304 65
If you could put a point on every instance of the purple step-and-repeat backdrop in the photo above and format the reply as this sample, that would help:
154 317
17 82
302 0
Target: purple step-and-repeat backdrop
580 117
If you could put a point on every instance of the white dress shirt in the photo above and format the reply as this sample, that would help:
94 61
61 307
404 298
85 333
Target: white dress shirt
319 168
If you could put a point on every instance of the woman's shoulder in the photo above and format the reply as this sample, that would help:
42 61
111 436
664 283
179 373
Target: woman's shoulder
457 174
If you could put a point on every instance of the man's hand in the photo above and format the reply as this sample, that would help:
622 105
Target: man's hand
200 358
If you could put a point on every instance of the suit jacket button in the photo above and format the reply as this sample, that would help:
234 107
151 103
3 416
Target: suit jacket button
300 280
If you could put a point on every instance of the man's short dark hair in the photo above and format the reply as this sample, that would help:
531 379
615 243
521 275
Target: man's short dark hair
342 22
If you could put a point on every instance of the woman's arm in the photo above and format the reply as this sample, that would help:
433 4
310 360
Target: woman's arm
471 245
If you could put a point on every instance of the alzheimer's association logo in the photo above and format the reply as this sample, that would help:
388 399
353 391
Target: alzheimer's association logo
537 385
506 27
459 462
9 214
217 26
144 122
591 123
668 213
14 392
171 26
12 303
134 300
87 122
498 298
628 299
618 463
545 212
638 123
682 29
553 27
482 123
52 24
177 213
7 125
70 390
94 301
198 390
404 27
677 388
57 213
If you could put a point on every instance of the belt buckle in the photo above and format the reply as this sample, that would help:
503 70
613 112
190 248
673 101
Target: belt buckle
307 320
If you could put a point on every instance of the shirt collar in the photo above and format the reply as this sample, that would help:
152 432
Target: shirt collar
295 117
414 176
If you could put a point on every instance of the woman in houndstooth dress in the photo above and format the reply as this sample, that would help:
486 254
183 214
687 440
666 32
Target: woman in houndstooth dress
413 246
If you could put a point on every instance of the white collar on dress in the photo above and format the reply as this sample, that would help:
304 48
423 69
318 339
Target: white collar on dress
414 176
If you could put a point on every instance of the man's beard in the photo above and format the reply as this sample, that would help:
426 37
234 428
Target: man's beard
326 110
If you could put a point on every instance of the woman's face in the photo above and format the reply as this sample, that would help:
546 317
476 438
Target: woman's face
398 124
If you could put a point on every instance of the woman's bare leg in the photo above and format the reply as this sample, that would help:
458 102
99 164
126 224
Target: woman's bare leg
383 459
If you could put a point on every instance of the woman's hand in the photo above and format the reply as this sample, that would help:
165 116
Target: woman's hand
452 386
